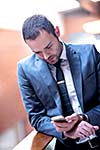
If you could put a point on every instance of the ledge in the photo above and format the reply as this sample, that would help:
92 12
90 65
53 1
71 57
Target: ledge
34 141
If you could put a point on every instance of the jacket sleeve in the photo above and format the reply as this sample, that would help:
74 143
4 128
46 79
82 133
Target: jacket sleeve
35 109
94 112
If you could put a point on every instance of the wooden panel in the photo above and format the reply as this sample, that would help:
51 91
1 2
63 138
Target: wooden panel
34 141
12 49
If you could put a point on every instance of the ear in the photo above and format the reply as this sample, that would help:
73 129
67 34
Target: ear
57 31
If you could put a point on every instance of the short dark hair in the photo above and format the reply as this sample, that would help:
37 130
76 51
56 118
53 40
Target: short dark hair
34 24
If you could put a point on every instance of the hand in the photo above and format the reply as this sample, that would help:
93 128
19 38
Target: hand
75 118
68 125
82 130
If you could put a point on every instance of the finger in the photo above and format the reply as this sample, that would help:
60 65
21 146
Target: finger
81 135
62 124
96 127
60 129
87 129
85 132
91 129
73 118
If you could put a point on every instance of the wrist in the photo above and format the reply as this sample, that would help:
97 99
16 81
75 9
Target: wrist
83 117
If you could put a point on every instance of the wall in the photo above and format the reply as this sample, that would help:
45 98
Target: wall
12 49
72 21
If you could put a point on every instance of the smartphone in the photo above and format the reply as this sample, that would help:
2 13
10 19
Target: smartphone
58 119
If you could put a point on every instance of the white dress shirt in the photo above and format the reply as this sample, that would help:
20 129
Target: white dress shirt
69 81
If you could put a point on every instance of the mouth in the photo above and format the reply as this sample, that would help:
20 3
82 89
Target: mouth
52 59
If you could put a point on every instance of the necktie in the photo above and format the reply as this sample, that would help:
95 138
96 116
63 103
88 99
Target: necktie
66 105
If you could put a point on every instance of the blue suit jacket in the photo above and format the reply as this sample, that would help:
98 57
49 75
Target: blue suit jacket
39 90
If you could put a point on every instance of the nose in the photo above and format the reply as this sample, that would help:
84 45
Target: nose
45 55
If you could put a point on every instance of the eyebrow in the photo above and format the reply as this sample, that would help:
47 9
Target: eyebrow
44 47
47 45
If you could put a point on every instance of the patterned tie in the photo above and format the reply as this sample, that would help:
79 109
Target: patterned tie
66 105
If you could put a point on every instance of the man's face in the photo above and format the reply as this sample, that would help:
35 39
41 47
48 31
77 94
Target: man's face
46 46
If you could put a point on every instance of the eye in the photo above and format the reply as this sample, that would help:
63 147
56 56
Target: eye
38 53
49 46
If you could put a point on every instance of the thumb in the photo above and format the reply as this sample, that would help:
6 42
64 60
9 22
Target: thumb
96 127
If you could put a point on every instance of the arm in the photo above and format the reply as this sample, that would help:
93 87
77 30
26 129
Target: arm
91 90
93 112
35 109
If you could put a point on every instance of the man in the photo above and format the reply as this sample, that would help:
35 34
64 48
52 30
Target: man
46 97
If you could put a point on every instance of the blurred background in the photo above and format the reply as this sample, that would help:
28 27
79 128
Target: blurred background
79 22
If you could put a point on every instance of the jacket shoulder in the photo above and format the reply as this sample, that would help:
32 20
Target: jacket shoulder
26 59
82 47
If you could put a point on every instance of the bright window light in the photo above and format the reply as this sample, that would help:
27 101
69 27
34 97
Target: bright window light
14 12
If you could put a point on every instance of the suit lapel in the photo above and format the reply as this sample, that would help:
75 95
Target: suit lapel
74 62
75 66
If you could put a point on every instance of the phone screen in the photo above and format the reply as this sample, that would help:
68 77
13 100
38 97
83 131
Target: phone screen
58 119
